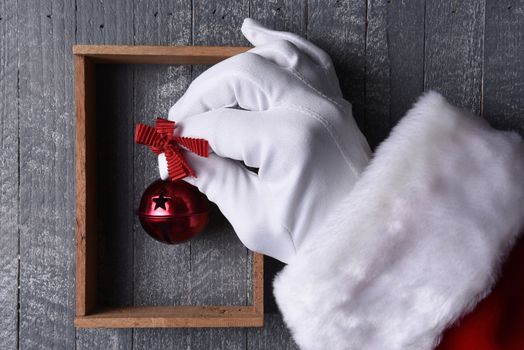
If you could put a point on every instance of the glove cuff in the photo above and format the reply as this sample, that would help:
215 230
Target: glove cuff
417 243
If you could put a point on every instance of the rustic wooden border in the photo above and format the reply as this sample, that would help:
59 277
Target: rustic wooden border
88 315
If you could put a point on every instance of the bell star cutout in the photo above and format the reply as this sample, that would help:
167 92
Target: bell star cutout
161 139
160 201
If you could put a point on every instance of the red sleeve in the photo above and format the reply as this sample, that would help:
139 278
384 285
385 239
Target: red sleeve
497 323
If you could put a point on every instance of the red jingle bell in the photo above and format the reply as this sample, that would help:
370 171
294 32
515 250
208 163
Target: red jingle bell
173 212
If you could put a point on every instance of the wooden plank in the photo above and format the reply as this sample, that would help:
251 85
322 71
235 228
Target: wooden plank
102 338
274 335
218 258
154 54
161 271
85 153
285 15
9 180
340 29
104 22
218 23
394 63
185 315
171 316
503 93
258 283
47 31
110 22
453 50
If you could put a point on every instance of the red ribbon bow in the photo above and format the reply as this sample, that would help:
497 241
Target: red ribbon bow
161 139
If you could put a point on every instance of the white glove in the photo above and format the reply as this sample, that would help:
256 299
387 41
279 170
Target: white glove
294 125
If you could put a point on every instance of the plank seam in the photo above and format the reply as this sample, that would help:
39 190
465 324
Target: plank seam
18 318
424 49
133 91
74 73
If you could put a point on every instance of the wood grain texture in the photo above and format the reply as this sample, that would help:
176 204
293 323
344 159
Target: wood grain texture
103 339
161 271
218 22
110 22
340 29
453 50
157 54
286 15
9 180
274 335
394 63
85 173
379 68
104 22
503 92
257 293
171 317
47 191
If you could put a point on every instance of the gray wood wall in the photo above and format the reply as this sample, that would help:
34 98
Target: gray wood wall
386 54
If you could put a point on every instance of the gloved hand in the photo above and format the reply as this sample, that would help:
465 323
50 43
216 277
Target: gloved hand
279 108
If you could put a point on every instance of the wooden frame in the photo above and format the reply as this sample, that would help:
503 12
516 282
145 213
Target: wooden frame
87 313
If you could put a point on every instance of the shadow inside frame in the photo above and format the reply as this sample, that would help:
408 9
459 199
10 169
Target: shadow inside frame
116 220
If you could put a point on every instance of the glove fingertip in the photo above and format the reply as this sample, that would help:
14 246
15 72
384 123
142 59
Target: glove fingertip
172 114
162 166
249 23
249 29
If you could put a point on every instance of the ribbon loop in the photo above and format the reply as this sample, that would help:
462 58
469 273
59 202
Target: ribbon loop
161 139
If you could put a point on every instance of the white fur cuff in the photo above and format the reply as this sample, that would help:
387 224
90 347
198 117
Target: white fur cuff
417 243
